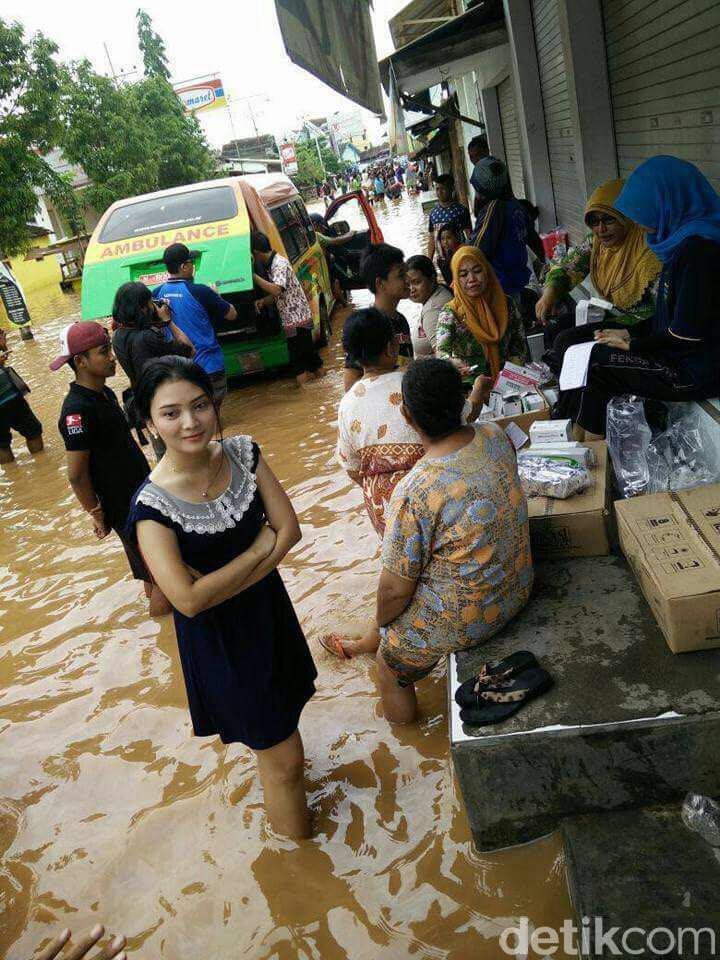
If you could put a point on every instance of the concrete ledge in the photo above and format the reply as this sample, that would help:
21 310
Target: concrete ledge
643 868
626 725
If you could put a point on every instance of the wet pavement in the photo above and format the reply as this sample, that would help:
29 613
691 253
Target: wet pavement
111 811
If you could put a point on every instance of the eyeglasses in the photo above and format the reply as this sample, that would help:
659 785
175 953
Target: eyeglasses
594 220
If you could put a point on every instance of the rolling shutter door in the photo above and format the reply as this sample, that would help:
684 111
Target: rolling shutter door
664 67
511 136
559 125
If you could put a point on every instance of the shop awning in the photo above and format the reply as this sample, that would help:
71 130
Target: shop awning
441 52
335 42
439 143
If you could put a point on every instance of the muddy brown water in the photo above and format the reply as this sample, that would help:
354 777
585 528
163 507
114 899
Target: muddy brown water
111 811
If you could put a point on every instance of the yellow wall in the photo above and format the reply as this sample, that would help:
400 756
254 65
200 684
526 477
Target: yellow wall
36 274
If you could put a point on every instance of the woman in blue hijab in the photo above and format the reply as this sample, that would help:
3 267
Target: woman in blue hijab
673 201
675 354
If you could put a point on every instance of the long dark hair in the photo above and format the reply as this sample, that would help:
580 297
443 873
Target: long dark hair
167 370
130 304
432 391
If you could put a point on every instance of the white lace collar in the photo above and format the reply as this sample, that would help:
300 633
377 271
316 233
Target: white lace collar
217 515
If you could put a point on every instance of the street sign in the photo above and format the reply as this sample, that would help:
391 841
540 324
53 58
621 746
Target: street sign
288 158
205 95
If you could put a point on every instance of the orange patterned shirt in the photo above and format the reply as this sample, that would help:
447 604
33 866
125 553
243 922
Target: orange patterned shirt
375 441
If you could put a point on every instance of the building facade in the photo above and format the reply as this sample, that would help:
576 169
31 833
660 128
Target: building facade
575 92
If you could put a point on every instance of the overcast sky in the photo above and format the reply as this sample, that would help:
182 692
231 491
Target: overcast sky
239 39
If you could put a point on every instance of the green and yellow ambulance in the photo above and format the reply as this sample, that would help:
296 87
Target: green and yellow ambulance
214 217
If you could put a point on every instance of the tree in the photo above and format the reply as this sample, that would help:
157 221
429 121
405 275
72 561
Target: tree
151 47
105 133
310 170
180 150
30 79
132 139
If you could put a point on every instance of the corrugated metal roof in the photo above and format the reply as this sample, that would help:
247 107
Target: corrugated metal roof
404 27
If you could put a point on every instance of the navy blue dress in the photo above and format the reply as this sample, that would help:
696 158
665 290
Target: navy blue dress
247 667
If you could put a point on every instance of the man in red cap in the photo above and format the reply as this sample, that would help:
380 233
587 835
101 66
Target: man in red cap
105 465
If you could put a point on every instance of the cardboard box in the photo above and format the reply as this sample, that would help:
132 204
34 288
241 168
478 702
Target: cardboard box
576 527
525 420
672 542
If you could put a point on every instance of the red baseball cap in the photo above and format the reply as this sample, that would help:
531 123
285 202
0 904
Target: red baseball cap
77 338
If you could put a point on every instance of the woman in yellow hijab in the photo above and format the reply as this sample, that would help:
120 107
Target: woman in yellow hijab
623 270
480 328
622 267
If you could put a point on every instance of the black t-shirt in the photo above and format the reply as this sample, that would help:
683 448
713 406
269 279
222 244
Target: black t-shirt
94 421
402 334
134 346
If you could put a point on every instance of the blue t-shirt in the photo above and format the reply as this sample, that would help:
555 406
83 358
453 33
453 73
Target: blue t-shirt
454 213
195 308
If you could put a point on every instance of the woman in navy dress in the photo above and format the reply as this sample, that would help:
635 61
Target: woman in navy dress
213 523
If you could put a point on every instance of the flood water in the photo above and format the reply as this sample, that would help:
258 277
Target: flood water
111 811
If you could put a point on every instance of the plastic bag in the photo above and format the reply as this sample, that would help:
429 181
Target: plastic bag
628 438
544 477
702 815
677 458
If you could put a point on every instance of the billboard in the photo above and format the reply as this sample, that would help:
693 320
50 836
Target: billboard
203 95
288 158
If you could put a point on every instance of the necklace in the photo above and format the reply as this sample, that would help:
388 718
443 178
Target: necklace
204 493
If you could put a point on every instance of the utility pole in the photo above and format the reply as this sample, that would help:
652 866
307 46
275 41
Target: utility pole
248 100
112 68
117 77
314 131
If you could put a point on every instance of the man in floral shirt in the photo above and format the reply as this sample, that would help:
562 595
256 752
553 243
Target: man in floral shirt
284 288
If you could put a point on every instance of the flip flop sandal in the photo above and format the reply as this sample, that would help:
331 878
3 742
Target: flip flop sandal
492 675
494 706
332 642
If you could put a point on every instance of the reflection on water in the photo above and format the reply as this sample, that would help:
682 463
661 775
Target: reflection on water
110 810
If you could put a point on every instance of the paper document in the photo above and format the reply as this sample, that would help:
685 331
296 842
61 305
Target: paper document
575 366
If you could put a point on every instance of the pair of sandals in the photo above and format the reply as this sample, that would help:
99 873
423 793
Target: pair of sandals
501 689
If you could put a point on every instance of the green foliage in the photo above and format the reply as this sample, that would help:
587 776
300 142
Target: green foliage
182 154
131 139
310 170
30 78
128 139
105 134
151 47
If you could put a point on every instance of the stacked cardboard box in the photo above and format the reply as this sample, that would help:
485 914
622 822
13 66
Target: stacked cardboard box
576 527
672 542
